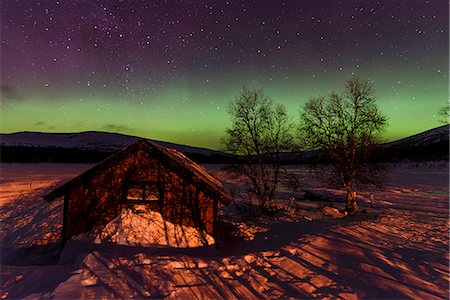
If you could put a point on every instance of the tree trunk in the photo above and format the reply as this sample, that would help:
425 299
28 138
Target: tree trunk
351 207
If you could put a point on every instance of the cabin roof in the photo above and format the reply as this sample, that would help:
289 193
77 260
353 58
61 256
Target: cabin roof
172 158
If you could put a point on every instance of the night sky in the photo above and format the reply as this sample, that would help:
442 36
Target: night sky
166 70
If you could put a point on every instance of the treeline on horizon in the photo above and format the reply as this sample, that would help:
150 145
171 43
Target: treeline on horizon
30 154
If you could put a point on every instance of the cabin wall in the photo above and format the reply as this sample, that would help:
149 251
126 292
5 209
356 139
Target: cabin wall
99 200
185 203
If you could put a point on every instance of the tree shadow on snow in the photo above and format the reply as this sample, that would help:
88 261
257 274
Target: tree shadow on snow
279 234
31 230
47 254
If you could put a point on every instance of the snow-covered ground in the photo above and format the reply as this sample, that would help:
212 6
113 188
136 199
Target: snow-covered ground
398 249
145 229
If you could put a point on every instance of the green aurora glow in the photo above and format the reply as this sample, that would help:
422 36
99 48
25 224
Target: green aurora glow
82 66
190 113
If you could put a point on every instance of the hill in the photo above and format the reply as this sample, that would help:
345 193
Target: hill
89 146
432 144
93 146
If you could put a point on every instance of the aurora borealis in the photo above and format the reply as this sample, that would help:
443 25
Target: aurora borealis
167 69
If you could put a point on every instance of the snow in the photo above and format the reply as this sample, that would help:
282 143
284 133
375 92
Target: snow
332 212
427 137
398 249
86 140
149 228
90 140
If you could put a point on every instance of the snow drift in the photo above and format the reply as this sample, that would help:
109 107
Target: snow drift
146 229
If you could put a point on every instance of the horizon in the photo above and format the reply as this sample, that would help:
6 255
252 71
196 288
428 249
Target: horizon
168 73
194 146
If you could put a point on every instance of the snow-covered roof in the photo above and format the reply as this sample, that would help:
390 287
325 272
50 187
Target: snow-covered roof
173 159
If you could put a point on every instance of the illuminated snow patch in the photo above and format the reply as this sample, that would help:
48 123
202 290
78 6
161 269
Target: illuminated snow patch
147 228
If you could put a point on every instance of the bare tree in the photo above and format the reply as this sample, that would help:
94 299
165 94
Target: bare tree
259 133
346 127
444 113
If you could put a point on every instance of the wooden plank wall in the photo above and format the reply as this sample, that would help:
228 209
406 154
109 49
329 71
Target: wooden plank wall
98 201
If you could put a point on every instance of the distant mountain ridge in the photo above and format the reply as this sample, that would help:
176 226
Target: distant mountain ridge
432 144
87 140
427 137
88 146
92 146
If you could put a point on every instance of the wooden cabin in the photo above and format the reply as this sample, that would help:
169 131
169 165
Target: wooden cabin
142 176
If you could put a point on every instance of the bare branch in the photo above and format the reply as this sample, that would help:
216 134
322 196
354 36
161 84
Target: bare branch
260 131
346 127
